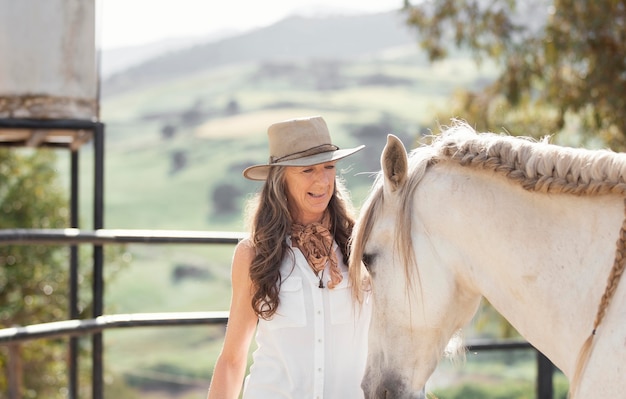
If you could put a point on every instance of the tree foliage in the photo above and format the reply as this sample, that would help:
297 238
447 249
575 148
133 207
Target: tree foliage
565 56
33 279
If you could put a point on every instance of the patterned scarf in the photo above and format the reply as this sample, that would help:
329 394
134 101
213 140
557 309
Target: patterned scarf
316 243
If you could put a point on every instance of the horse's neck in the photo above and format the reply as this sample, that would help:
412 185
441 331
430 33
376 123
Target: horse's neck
541 260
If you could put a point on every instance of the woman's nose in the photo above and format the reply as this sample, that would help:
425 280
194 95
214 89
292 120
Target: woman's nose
323 177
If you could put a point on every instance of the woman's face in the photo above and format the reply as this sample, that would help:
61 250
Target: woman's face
309 189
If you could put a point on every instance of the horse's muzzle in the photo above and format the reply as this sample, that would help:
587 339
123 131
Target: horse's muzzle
390 390
391 394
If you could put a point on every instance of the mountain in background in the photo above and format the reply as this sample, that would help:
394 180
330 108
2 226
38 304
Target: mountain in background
296 37
119 59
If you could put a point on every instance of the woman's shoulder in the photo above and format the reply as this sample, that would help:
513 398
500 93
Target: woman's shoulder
246 243
242 260
245 250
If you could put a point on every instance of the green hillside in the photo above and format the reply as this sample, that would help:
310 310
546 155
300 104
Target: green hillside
294 38
175 149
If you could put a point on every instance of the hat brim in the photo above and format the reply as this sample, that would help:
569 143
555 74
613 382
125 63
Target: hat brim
260 172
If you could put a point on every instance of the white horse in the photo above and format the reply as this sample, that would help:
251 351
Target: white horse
530 226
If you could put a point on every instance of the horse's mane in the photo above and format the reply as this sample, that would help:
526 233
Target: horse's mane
535 165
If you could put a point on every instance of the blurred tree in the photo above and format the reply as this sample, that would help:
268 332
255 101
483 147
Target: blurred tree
33 279
178 161
168 131
232 108
34 285
225 199
560 59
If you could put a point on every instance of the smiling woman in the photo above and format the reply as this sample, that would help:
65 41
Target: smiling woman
290 281
309 189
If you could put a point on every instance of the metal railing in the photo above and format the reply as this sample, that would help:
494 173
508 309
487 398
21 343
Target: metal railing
71 134
70 328
94 326
75 327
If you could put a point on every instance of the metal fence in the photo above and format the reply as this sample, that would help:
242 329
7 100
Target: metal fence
12 337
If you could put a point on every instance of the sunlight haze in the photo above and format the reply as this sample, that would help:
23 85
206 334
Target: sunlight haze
124 23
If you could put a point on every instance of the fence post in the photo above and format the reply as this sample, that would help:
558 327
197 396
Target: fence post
97 362
15 371
545 371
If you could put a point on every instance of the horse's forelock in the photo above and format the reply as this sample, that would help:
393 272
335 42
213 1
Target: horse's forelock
419 160
360 236
403 245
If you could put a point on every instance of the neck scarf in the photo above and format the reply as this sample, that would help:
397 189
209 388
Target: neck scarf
316 243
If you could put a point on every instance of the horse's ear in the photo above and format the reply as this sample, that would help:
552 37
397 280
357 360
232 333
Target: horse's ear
394 163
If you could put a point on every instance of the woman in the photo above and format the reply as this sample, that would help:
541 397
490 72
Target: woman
290 281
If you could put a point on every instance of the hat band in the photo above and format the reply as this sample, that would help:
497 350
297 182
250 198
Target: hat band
301 154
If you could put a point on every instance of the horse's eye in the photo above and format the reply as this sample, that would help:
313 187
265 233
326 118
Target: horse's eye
367 260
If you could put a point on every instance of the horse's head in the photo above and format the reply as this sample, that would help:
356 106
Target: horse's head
415 310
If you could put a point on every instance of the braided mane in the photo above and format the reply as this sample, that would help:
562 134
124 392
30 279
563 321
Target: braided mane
535 165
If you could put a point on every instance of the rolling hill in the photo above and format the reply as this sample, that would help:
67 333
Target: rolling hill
294 38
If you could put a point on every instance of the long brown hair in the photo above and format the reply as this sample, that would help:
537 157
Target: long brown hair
271 223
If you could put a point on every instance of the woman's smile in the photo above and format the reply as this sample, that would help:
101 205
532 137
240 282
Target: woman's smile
309 189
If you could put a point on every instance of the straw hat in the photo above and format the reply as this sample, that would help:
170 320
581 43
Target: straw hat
298 142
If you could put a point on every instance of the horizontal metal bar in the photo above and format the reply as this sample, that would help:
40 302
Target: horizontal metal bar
481 345
23 143
87 326
23 123
117 236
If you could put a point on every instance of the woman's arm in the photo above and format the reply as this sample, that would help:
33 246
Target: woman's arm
231 364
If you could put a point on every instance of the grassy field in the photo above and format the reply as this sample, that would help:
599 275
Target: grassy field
143 189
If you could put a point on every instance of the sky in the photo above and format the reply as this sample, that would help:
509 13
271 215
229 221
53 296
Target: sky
123 23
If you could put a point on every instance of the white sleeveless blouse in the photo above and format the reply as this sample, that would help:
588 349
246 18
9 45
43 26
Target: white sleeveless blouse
315 346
